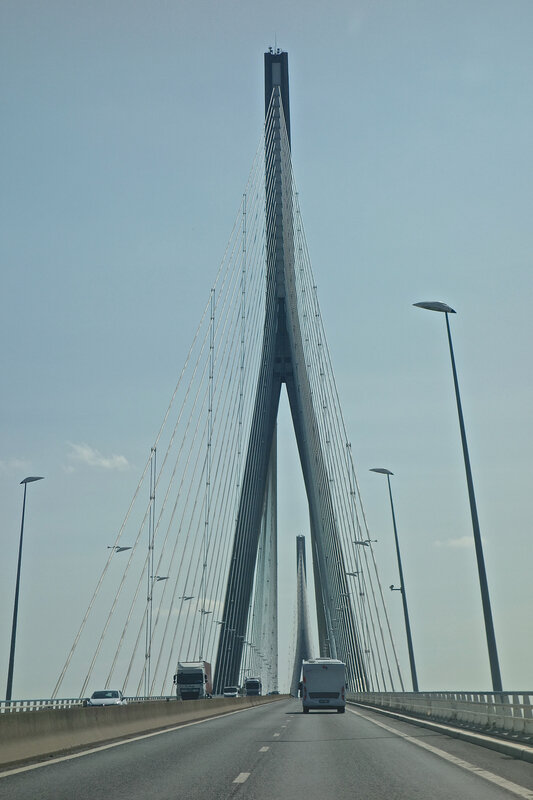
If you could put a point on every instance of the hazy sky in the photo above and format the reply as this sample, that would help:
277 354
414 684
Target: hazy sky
128 132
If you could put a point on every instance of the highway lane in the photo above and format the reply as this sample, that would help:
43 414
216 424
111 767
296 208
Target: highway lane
274 752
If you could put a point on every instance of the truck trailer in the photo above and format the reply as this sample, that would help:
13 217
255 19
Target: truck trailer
193 680
323 684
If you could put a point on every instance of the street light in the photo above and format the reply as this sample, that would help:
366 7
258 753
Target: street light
17 586
485 599
414 679
148 655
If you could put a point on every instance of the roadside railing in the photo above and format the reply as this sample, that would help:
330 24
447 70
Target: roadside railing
504 712
41 705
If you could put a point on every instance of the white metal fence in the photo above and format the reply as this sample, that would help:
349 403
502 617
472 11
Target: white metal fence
40 705
508 712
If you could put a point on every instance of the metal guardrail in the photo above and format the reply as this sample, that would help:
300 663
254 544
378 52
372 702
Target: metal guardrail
42 704
510 713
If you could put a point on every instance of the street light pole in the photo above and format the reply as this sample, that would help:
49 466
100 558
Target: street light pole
17 587
414 678
485 599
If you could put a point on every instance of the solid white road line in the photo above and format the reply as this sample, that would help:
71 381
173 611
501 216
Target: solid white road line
515 788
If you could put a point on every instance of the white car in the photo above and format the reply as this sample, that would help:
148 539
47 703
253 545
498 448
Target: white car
107 697
231 691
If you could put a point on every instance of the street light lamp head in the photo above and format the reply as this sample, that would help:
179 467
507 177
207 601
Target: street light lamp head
382 471
435 305
31 479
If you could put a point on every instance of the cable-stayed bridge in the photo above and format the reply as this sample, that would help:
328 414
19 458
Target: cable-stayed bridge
192 572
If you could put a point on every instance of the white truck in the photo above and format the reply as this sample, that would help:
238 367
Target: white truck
323 684
193 680
253 686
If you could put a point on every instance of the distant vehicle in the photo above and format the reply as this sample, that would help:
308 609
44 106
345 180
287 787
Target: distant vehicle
193 680
107 697
323 684
230 691
274 691
253 686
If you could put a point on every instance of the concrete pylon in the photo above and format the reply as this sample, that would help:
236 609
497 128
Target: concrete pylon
302 650
283 362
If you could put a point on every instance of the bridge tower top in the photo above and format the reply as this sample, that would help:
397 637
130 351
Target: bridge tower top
277 74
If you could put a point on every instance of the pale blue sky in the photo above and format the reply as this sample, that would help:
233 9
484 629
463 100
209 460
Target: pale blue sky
128 132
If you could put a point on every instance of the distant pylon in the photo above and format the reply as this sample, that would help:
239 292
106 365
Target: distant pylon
303 634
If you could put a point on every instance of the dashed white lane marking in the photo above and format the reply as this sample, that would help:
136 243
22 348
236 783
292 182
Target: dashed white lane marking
515 788
241 777
276 734
264 749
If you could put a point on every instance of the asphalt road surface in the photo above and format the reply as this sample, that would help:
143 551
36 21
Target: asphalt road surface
275 752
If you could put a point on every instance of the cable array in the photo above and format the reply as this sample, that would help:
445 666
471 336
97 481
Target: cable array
364 593
160 595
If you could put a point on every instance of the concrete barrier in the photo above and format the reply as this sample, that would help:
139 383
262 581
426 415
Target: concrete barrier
50 732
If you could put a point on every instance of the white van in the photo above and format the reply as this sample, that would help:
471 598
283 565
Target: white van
230 691
323 684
